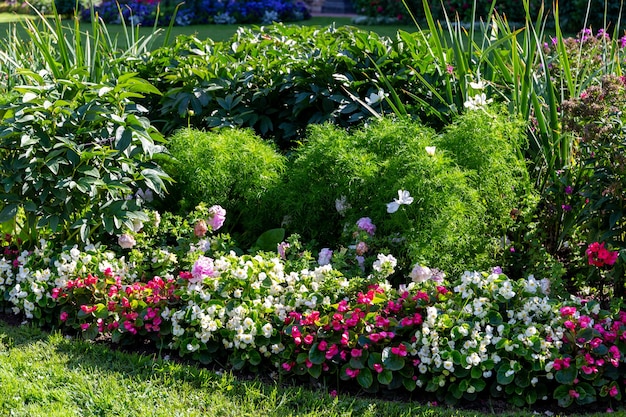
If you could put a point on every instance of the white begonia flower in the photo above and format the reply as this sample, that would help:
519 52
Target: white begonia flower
404 197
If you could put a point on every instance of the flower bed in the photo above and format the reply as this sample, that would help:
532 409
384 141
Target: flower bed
481 335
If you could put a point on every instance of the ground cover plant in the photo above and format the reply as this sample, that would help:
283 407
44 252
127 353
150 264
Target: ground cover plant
428 217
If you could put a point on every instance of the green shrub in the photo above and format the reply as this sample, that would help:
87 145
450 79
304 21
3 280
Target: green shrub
449 225
490 150
230 167
74 156
279 79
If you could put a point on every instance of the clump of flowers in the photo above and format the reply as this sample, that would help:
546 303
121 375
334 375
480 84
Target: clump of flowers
599 256
591 360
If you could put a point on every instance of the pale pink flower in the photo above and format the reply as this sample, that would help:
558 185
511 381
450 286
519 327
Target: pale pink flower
218 216
126 241
202 268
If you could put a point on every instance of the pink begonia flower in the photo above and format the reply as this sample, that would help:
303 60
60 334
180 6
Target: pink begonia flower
63 316
218 216
84 326
365 223
352 373
200 228
325 256
126 241
613 391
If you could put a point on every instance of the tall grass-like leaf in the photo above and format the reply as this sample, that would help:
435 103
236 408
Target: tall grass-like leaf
62 49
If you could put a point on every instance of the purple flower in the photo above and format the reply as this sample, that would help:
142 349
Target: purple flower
365 223
566 207
496 270
282 249
218 215
568 189
325 256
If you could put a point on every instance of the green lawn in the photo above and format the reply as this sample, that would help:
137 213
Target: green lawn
215 32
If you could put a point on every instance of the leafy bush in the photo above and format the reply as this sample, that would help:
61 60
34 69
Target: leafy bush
232 167
75 155
449 226
491 151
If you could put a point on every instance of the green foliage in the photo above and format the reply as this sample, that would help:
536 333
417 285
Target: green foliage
230 167
279 79
450 225
63 50
74 154
491 150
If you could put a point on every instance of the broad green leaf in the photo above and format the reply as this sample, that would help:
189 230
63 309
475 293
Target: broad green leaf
269 240
365 378
8 212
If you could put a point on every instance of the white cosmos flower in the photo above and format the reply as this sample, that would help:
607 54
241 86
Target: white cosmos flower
404 197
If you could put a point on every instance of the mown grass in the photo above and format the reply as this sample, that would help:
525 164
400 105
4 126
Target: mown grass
48 374
217 33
